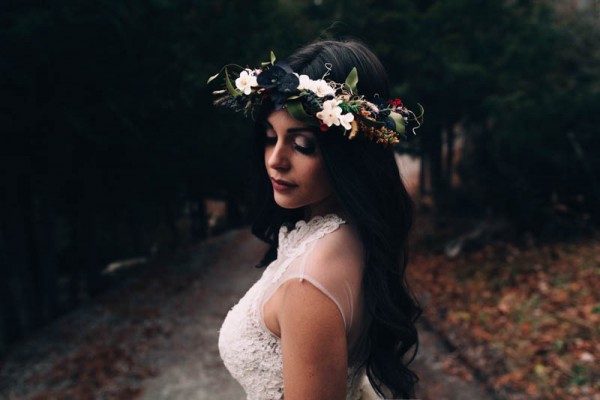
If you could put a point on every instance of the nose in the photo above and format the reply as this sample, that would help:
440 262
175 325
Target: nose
276 157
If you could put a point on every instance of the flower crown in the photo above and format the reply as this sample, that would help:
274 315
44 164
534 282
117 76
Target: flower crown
317 102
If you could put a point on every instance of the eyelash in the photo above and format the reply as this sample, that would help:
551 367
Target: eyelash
271 140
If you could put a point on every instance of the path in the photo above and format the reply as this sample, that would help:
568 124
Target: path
155 337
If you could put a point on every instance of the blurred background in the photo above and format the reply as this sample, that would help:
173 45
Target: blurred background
111 154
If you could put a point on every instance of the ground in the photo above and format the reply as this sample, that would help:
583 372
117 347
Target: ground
155 337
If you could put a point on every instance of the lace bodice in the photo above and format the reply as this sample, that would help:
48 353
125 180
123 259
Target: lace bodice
251 353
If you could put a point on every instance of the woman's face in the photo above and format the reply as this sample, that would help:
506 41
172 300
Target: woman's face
295 166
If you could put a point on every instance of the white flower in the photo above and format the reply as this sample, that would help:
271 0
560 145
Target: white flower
346 119
245 82
305 83
330 115
322 88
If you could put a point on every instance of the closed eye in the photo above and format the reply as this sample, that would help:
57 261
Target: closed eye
304 150
300 143
304 145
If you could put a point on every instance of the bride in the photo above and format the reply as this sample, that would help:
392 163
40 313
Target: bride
331 317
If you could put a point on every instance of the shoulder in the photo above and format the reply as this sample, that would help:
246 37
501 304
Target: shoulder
340 247
330 280
309 307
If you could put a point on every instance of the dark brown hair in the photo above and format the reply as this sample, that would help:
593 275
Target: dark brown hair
367 181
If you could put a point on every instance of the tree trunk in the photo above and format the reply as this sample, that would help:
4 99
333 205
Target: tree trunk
16 250
87 246
135 231
423 174
9 319
33 286
234 217
171 215
199 219
47 260
434 150
449 155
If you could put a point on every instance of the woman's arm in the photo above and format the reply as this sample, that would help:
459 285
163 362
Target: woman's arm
313 339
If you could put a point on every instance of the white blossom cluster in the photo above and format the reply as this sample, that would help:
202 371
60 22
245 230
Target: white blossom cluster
331 114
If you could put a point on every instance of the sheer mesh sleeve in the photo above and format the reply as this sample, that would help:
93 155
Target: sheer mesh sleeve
334 265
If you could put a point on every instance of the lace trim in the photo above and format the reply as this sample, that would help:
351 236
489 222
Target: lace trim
296 240
294 243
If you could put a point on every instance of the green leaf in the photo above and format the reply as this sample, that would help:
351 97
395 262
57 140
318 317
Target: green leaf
296 110
399 121
273 58
352 80
233 91
559 344
212 78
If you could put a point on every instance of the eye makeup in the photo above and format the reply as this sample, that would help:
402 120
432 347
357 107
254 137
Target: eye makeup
304 145
298 137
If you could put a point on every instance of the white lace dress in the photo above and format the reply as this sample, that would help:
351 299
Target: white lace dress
252 353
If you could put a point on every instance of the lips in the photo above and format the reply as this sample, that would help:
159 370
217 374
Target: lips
281 185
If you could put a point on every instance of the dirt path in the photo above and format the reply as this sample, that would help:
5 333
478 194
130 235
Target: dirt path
155 337
191 367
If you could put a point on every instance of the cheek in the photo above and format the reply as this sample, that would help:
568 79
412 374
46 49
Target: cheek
319 179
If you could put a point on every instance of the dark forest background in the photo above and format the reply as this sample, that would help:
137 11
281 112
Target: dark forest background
110 146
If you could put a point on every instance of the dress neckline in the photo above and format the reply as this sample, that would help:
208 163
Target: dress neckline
318 219
293 241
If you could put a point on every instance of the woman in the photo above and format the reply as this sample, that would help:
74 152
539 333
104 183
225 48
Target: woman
332 304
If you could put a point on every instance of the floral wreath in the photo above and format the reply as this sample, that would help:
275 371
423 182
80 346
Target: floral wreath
317 102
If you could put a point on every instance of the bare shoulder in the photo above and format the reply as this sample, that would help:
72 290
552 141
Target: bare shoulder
340 247
330 262
313 330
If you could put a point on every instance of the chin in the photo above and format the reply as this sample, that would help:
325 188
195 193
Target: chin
287 204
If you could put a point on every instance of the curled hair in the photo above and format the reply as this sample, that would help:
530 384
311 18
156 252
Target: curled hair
367 182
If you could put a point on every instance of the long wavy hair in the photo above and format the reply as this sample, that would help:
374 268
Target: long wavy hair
367 182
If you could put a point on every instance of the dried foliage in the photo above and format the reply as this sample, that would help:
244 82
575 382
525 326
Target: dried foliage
526 319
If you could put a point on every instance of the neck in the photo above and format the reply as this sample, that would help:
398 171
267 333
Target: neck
329 205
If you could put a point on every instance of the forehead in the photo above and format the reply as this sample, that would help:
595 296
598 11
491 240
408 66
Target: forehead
281 119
